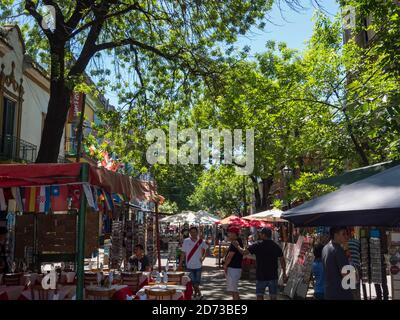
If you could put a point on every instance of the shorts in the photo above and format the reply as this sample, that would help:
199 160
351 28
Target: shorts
318 295
195 275
232 279
271 284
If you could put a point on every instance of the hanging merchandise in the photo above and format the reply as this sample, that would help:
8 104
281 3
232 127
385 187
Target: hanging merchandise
375 256
150 237
300 272
394 259
3 205
116 244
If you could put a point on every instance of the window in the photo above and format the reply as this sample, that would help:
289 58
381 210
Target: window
7 141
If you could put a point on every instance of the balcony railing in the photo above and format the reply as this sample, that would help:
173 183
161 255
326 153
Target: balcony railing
15 149
70 147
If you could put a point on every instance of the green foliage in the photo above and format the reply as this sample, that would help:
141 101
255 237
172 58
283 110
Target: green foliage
306 187
168 207
220 191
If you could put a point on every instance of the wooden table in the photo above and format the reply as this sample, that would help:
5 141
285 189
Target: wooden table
179 295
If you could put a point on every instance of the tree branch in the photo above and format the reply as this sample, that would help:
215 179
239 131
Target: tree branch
124 42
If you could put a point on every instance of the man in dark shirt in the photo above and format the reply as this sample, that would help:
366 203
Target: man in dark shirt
139 261
334 259
233 263
267 253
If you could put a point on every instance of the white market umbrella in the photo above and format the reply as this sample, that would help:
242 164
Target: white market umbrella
273 215
191 217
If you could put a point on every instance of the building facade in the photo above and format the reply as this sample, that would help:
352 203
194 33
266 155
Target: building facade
24 97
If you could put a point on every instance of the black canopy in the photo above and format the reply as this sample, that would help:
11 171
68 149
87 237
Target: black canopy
374 201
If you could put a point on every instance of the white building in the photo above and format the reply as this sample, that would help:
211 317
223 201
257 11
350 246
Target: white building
24 96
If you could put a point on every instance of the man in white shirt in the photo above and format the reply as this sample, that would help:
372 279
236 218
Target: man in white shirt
194 251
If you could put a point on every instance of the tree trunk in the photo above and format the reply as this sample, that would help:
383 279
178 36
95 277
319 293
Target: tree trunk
266 188
257 194
357 145
57 109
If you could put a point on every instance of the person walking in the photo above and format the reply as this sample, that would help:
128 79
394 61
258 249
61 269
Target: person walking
334 259
194 253
267 254
233 263
318 272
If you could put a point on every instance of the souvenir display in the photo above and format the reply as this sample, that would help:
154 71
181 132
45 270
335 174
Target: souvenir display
299 270
375 257
116 244
394 259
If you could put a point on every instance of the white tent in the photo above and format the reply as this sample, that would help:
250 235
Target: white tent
191 218
273 215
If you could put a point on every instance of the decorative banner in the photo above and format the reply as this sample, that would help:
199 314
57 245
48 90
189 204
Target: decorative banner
94 193
3 205
89 195
74 192
30 199
76 103
59 196
17 196
109 200
43 199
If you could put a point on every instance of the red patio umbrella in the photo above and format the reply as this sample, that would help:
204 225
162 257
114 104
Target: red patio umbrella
233 220
259 224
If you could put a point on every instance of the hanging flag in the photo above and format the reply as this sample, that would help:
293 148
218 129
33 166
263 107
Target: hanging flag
88 194
30 199
94 193
3 205
59 196
109 201
74 192
43 199
17 196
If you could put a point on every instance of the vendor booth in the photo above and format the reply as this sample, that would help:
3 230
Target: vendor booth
63 213
370 208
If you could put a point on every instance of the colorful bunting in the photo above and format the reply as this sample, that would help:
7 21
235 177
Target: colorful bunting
89 195
17 196
3 205
74 192
59 196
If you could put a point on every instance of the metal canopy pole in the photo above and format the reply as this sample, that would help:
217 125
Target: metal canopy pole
158 239
81 235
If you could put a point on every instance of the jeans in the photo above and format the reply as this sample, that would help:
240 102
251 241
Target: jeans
271 284
195 275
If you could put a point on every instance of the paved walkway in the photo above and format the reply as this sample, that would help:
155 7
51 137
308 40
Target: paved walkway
214 284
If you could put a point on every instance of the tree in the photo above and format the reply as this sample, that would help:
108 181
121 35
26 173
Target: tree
149 37
220 191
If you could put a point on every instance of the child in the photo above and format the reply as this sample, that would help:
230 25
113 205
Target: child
318 273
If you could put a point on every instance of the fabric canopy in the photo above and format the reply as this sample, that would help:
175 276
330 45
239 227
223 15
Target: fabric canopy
21 175
355 175
191 217
374 201
233 220
273 215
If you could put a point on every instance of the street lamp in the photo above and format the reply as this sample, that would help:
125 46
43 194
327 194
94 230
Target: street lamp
287 174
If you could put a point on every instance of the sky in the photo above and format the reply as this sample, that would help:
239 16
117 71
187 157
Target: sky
289 26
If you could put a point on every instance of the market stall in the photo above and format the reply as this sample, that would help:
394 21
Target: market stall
56 212
370 209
